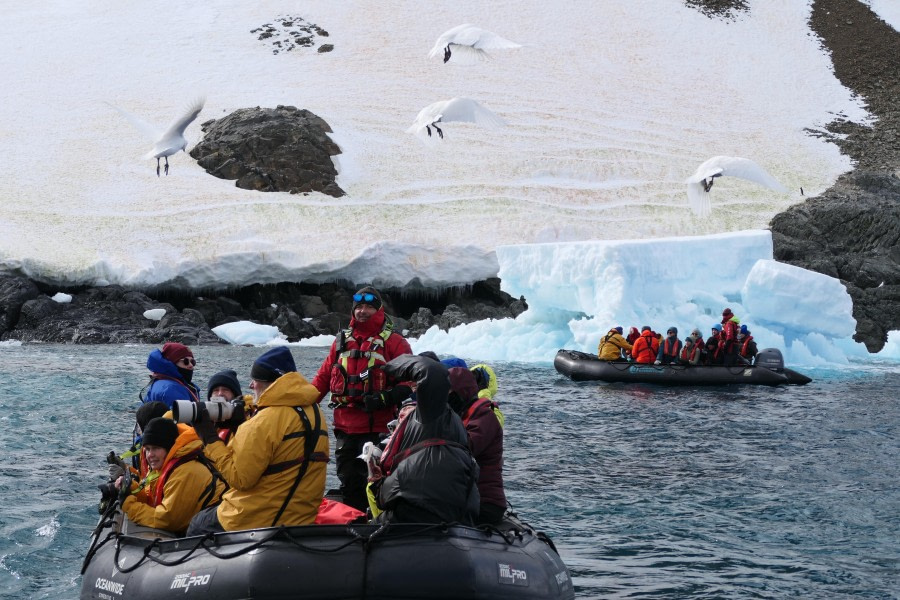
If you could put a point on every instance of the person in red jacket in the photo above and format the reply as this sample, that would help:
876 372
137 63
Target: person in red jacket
485 441
746 346
645 347
364 398
728 338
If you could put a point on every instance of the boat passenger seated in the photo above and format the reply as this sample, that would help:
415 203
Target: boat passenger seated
181 481
645 347
613 346
747 350
427 473
714 354
693 350
669 349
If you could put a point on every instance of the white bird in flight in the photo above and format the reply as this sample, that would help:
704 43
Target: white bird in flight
699 184
168 142
456 109
467 44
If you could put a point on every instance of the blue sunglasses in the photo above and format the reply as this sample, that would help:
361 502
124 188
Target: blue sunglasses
363 297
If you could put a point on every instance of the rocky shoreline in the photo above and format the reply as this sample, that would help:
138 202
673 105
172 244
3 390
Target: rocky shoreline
115 315
851 231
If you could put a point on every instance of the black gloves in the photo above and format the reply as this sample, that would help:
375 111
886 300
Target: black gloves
205 427
393 397
238 415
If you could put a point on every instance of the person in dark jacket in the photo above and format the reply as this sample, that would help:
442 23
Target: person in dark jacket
747 349
428 473
713 353
171 370
669 349
485 441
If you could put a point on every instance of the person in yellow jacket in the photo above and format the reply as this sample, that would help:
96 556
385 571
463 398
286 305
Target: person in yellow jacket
612 345
275 462
178 484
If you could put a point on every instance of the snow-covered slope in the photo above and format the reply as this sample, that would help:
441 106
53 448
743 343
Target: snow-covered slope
609 106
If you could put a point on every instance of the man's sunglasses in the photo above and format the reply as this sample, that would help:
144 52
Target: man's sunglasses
188 361
363 297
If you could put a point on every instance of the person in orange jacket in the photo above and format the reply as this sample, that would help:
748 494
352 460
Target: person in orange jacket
645 347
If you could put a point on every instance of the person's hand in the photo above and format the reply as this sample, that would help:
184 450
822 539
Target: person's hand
658 362
398 394
118 482
238 415
374 401
115 472
205 427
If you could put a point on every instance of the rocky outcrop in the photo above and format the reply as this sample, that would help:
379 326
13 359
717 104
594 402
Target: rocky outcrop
113 314
852 230
282 149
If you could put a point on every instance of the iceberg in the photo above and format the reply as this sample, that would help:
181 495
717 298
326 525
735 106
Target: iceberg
577 291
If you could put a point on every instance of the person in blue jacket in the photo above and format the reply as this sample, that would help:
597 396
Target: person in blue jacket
171 371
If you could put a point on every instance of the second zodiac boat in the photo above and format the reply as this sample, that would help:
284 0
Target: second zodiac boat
768 369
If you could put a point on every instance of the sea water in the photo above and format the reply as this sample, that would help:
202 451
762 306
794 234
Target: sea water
648 492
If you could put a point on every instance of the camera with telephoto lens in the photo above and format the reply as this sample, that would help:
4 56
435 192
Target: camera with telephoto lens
187 411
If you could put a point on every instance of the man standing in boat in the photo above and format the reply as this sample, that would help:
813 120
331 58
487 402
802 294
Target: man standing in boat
364 397
275 462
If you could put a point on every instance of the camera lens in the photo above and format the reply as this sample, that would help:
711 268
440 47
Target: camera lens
219 411
184 411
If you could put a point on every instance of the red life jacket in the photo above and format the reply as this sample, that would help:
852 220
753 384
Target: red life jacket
745 345
643 350
671 348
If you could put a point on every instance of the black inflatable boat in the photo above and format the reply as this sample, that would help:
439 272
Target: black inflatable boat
326 562
768 369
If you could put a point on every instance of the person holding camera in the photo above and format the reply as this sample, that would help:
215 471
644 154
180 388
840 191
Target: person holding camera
427 473
275 462
171 371
180 482
364 397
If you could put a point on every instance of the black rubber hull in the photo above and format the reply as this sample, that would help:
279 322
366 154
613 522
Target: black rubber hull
580 366
332 562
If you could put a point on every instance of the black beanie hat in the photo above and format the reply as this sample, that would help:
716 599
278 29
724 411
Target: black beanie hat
273 364
149 410
227 378
160 432
374 303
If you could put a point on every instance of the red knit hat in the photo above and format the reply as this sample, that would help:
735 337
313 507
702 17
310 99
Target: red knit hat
173 351
727 313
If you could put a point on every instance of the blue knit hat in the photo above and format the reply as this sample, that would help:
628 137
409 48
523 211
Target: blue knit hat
452 361
744 329
273 364
619 329
717 326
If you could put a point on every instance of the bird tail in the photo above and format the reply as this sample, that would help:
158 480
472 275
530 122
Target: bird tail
698 199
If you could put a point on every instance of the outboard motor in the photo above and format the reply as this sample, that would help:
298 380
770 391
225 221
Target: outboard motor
771 359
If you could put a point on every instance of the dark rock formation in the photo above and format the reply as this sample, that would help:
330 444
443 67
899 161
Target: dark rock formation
113 314
726 9
851 231
282 149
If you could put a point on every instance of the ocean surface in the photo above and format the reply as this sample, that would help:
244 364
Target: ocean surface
733 492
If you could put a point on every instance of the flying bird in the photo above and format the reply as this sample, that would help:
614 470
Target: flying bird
456 109
702 180
467 44
165 142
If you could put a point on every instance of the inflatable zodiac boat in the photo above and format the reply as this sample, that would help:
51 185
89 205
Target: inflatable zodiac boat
325 562
768 369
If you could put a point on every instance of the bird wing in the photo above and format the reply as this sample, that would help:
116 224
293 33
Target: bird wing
151 132
466 109
735 166
445 39
427 116
698 199
176 129
487 40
